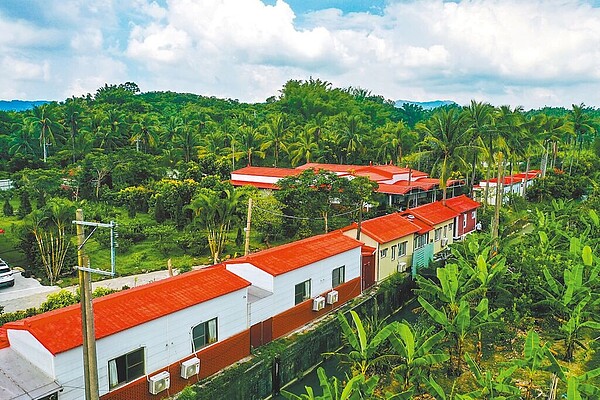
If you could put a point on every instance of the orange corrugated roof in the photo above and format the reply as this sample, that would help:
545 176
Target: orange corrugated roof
462 204
388 227
267 171
433 213
60 330
288 257
367 250
4 343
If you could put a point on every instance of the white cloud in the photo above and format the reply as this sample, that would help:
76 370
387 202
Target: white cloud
504 51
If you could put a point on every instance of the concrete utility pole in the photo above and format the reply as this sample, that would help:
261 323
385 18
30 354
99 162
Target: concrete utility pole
247 246
90 364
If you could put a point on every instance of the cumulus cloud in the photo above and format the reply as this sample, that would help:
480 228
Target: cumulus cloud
504 51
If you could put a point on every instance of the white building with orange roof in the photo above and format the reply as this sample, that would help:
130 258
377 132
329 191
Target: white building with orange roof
153 339
404 187
297 282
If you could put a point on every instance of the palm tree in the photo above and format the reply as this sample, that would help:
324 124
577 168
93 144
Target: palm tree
481 128
113 132
446 140
72 121
391 139
188 140
41 121
216 213
274 135
303 148
22 141
250 142
145 132
351 130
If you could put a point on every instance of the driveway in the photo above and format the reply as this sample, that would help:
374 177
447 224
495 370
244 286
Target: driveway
28 292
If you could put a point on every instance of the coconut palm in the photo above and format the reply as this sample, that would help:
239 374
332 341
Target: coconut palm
274 136
446 141
145 132
41 121
303 147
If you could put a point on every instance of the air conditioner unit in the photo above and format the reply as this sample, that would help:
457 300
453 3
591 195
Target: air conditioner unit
190 368
159 382
401 266
444 241
318 303
332 297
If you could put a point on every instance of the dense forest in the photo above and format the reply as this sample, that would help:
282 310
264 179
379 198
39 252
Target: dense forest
158 163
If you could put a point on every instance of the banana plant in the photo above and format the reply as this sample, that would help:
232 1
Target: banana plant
537 358
416 355
356 388
580 388
572 299
363 353
499 387
459 326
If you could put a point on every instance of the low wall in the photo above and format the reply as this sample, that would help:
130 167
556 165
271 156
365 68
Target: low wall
286 359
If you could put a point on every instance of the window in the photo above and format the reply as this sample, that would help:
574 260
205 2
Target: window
473 214
393 253
383 253
421 240
302 292
338 276
438 234
204 334
465 221
402 249
451 228
126 368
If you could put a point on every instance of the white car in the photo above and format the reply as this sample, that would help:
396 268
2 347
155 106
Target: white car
6 274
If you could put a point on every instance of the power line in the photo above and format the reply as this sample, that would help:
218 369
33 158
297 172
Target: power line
304 218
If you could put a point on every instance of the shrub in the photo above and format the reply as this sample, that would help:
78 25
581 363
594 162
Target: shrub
8 208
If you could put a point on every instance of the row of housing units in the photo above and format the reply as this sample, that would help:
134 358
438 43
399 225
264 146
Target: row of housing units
403 187
155 339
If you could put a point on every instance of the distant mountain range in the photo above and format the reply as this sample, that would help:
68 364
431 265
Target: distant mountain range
20 105
427 105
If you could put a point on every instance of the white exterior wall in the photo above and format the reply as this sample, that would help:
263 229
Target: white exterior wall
320 275
166 340
256 276
254 178
30 349
262 309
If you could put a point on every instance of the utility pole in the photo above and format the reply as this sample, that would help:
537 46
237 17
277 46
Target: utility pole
90 364
247 246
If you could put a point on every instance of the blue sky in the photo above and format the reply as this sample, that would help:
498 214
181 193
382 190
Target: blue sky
530 53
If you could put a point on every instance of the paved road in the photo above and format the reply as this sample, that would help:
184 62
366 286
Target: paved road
28 292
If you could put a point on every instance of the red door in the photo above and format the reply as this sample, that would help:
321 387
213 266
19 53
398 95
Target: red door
368 271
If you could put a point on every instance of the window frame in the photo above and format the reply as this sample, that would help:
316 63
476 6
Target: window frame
305 294
341 276
383 253
402 248
393 255
437 234
206 336
130 373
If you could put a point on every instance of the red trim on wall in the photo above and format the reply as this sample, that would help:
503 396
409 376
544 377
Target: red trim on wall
212 360
302 313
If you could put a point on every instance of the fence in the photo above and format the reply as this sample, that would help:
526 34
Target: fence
287 359
6 184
